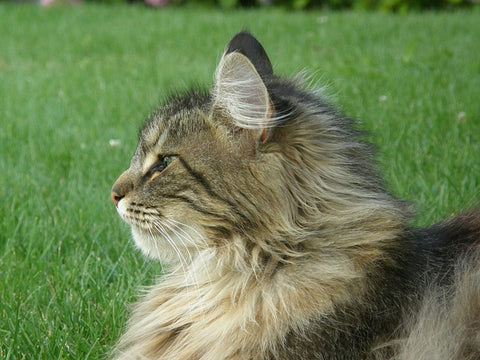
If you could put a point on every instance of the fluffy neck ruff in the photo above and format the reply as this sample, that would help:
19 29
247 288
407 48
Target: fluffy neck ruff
228 304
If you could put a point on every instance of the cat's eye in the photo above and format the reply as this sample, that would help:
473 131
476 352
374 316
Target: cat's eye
162 163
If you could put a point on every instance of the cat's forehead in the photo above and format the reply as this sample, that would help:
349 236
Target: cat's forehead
179 117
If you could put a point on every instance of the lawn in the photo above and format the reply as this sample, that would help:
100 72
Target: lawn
76 83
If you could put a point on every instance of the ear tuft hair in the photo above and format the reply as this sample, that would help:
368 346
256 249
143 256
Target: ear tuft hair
240 91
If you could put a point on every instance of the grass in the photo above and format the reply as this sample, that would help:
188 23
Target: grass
74 78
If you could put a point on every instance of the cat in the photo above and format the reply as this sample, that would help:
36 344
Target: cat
282 238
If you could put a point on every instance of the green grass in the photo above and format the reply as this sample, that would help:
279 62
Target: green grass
73 78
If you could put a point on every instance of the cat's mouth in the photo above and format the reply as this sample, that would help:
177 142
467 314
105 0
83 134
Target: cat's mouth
138 215
158 236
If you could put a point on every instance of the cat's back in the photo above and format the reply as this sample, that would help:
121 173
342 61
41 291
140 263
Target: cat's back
447 323
450 243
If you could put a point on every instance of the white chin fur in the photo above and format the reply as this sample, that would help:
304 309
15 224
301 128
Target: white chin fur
155 247
176 244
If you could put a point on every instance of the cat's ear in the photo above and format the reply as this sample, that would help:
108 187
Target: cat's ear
246 44
240 92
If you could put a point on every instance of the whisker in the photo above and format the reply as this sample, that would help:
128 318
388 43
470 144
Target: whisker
180 238
180 226
190 276
159 227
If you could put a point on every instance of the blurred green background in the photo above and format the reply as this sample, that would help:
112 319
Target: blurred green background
76 82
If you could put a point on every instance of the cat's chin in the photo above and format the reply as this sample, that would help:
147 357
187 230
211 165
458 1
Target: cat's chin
156 247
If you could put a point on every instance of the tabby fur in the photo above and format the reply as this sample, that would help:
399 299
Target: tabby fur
282 238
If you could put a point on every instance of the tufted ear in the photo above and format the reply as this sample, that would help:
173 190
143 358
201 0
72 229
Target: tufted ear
240 89
241 93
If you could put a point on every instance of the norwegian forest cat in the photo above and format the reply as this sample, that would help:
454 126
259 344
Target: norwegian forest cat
283 241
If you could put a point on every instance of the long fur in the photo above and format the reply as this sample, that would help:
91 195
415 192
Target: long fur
446 325
285 243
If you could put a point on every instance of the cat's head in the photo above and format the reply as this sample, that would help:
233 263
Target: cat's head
203 169
254 158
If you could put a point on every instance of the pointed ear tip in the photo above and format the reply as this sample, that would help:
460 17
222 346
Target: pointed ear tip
242 42
248 45
244 34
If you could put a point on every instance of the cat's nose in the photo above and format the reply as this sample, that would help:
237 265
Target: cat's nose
121 187
116 195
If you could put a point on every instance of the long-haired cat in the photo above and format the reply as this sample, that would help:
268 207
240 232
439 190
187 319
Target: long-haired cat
283 241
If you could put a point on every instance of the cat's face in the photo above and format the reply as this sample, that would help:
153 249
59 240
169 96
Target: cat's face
197 177
258 168
175 194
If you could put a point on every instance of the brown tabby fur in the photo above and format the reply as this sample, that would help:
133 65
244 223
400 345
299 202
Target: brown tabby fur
283 240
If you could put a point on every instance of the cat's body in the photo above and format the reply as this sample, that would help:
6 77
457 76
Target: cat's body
284 241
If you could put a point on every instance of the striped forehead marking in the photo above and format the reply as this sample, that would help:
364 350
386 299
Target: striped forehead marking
162 138
153 153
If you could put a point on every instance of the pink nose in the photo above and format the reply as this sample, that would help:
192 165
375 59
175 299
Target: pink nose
116 197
